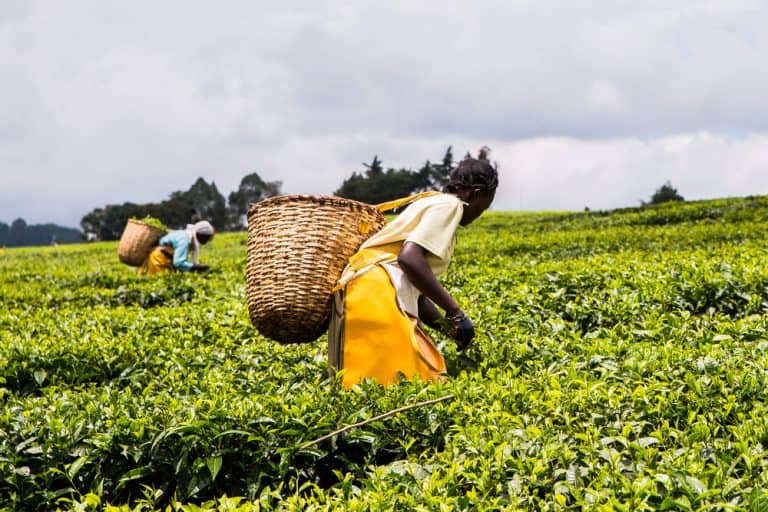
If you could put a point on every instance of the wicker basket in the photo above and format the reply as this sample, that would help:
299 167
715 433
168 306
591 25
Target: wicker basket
137 242
298 246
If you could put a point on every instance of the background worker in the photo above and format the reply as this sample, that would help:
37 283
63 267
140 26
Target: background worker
173 250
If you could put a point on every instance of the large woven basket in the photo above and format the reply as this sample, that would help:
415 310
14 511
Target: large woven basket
137 242
298 246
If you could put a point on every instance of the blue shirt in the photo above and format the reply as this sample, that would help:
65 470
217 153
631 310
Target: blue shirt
180 241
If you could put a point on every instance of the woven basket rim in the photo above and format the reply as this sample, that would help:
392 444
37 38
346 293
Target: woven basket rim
311 198
135 221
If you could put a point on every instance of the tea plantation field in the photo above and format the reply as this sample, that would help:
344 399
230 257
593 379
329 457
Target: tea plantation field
621 364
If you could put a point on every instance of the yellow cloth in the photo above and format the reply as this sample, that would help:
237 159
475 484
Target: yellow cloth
377 340
159 260
376 333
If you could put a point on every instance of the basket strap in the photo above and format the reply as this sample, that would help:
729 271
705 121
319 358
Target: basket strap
352 273
396 203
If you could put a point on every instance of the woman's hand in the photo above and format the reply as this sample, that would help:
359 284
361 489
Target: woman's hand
463 330
458 326
200 267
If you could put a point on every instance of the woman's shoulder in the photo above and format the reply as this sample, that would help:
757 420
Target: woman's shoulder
443 199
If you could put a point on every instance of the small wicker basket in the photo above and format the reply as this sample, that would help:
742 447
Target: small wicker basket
298 246
137 242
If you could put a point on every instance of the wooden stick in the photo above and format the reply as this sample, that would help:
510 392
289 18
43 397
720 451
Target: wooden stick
376 418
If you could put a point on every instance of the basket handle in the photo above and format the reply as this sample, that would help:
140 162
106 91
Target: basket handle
396 203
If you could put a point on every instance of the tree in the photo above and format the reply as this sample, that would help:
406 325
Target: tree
44 234
665 193
19 233
374 169
377 185
175 212
92 222
206 200
436 176
16 235
108 222
252 189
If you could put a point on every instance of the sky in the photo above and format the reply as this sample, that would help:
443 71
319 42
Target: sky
583 103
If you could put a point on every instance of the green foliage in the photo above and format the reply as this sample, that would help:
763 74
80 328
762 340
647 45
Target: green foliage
176 211
19 233
436 176
666 193
206 199
252 189
619 365
151 221
377 186
108 222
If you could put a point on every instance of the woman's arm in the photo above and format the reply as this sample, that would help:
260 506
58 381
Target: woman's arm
180 243
429 314
413 262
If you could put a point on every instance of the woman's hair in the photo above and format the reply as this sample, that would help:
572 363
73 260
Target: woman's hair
474 173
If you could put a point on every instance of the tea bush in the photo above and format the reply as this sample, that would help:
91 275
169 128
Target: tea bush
620 364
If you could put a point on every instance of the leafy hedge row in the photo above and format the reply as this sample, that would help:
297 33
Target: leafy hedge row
620 365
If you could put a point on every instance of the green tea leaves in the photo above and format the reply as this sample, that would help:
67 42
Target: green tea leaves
620 365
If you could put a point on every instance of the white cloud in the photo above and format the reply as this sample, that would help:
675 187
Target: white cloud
569 174
107 102
605 97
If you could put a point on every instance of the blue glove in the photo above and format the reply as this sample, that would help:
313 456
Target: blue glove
463 330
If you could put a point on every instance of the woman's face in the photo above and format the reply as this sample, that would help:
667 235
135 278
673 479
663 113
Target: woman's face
204 239
478 201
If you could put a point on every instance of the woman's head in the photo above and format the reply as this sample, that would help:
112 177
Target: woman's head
203 231
474 181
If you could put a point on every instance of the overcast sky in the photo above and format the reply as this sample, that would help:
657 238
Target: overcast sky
593 103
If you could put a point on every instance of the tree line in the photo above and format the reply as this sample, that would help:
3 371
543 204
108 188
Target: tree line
202 198
374 185
19 234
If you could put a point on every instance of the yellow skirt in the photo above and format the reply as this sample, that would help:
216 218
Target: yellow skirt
370 337
159 260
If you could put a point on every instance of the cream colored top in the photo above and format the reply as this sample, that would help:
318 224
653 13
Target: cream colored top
430 222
